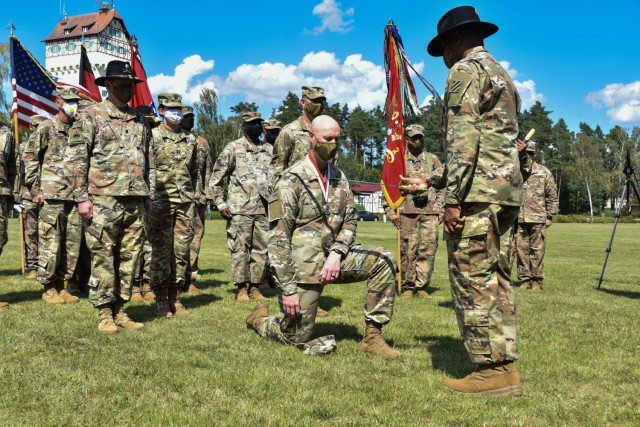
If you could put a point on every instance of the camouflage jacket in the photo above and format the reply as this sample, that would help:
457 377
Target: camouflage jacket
109 154
21 192
176 162
7 162
248 170
303 230
292 145
44 158
204 170
480 115
540 196
431 202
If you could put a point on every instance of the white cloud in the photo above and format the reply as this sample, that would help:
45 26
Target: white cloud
507 66
319 63
182 79
622 101
332 17
526 88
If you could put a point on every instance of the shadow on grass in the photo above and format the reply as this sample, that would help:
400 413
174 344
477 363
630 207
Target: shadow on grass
196 300
20 296
626 294
432 290
328 303
10 273
446 304
447 354
209 271
342 331
204 284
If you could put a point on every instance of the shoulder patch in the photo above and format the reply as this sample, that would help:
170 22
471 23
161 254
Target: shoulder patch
455 86
275 210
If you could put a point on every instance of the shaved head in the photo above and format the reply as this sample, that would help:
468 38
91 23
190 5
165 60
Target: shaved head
324 123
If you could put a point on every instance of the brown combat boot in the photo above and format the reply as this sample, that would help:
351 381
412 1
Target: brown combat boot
322 312
407 294
422 293
175 305
526 284
31 274
192 287
374 343
491 380
242 295
4 304
121 319
259 312
254 293
162 303
535 285
66 295
51 296
136 296
105 319
147 293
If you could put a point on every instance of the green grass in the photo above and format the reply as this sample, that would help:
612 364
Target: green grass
580 352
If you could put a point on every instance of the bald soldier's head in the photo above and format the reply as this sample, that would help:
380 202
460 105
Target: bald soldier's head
324 136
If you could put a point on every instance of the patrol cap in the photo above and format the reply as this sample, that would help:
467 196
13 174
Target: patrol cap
272 124
532 147
36 119
413 130
187 110
83 104
313 92
170 100
68 93
251 116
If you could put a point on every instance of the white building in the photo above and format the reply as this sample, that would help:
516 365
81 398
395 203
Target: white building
368 195
105 38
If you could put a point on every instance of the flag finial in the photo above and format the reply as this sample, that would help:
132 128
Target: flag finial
11 28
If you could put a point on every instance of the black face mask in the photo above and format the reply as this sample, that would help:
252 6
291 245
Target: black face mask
271 136
253 131
187 122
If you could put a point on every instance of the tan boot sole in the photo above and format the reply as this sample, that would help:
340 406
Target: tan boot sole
514 390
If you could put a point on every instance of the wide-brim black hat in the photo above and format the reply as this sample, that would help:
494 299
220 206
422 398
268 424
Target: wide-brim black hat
456 19
118 70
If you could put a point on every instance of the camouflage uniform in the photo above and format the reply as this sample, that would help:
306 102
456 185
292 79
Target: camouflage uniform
246 165
59 224
482 175
419 217
304 229
170 224
7 178
540 203
112 166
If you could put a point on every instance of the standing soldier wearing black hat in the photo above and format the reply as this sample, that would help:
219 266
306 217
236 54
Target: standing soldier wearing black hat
112 171
483 193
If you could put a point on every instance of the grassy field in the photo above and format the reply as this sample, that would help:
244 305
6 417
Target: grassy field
580 352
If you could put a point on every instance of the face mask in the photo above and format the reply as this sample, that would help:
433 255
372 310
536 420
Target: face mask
70 108
123 93
314 108
174 117
187 122
271 137
415 143
449 57
253 131
326 150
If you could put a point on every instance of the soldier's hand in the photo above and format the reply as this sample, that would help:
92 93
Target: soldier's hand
522 145
331 269
412 185
85 209
39 199
226 213
291 304
548 223
453 222
395 219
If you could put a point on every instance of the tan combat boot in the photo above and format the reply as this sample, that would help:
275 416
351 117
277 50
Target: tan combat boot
192 286
136 296
121 319
147 294
105 319
495 380
320 312
51 296
526 284
31 274
175 305
535 285
162 303
66 295
259 312
4 304
422 293
242 295
374 343
254 293
407 294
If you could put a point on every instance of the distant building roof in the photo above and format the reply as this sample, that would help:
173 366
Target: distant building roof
96 22
365 188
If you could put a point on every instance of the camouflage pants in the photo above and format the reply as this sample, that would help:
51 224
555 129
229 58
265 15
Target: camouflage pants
4 236
114 237
531 246
479 272
247 237
198 231
419 243
143 273
30 214
60 232
170 231
375 265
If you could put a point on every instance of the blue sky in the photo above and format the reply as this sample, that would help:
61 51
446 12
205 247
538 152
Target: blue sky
581 59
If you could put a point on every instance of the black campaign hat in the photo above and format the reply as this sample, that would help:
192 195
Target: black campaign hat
118 70
455 19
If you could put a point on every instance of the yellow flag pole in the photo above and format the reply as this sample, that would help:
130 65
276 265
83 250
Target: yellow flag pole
399 255
20 214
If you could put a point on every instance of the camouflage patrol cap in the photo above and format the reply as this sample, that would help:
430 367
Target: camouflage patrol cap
532 147
272 124
251 116
68 93
187 110
413 130
36 119
170 100
83 104
313 92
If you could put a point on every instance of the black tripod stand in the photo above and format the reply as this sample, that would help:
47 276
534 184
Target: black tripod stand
629 184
